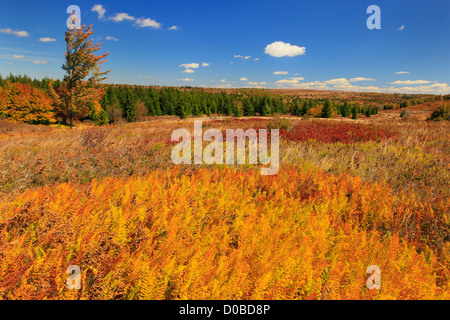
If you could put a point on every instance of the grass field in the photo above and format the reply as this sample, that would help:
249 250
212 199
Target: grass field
349 194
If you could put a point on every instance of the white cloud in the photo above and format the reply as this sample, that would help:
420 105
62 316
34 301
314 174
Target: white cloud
361 79
242 57
99 9
186 79
18 56
280 72
342 84
256 84
147 22
111 38
15 32
243 79
188 66
121 17
316 85
402 72
401 28
293 80
280 49
340 81
40 62
140 22
47 39
174 28
10 63
436 88
410 82
223 80
256 59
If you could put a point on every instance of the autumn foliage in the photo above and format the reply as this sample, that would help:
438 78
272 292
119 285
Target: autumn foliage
213 234
80 91
24 103
331 132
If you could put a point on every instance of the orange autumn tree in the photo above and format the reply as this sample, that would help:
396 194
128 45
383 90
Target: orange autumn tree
24 103
81 89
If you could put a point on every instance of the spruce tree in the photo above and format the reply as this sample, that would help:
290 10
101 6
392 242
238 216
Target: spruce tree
327 109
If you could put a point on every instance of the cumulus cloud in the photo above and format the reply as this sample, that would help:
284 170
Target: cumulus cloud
337 81
410 82
99 9
190 65
140 22
147 22
361 79
15 32
47 39
436 88
342 84
243 79
39 62
186 79
18 56
255 84
205 64
111 38
293 80
223 80
256 59
174 28
121 17
242 57
401 28
316 85
280 72
188 71
402 72
280 49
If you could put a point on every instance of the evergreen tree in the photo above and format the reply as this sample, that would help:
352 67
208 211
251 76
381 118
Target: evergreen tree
266 110
180 110
249 109
345 110
129 107
355 113
327 109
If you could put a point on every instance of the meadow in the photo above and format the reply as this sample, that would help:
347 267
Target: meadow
349 194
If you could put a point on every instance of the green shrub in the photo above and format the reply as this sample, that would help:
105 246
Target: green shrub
441 113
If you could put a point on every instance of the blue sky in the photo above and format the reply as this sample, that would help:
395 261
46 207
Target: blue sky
323 44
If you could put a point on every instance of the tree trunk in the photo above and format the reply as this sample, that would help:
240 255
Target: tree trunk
71 125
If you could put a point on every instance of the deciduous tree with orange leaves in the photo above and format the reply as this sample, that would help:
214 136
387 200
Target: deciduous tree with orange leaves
81 88
24 103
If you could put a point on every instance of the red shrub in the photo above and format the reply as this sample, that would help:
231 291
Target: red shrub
330 132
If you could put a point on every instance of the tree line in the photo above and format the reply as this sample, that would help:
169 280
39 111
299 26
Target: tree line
134 103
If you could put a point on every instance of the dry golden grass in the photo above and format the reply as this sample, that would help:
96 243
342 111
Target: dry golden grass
108 199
